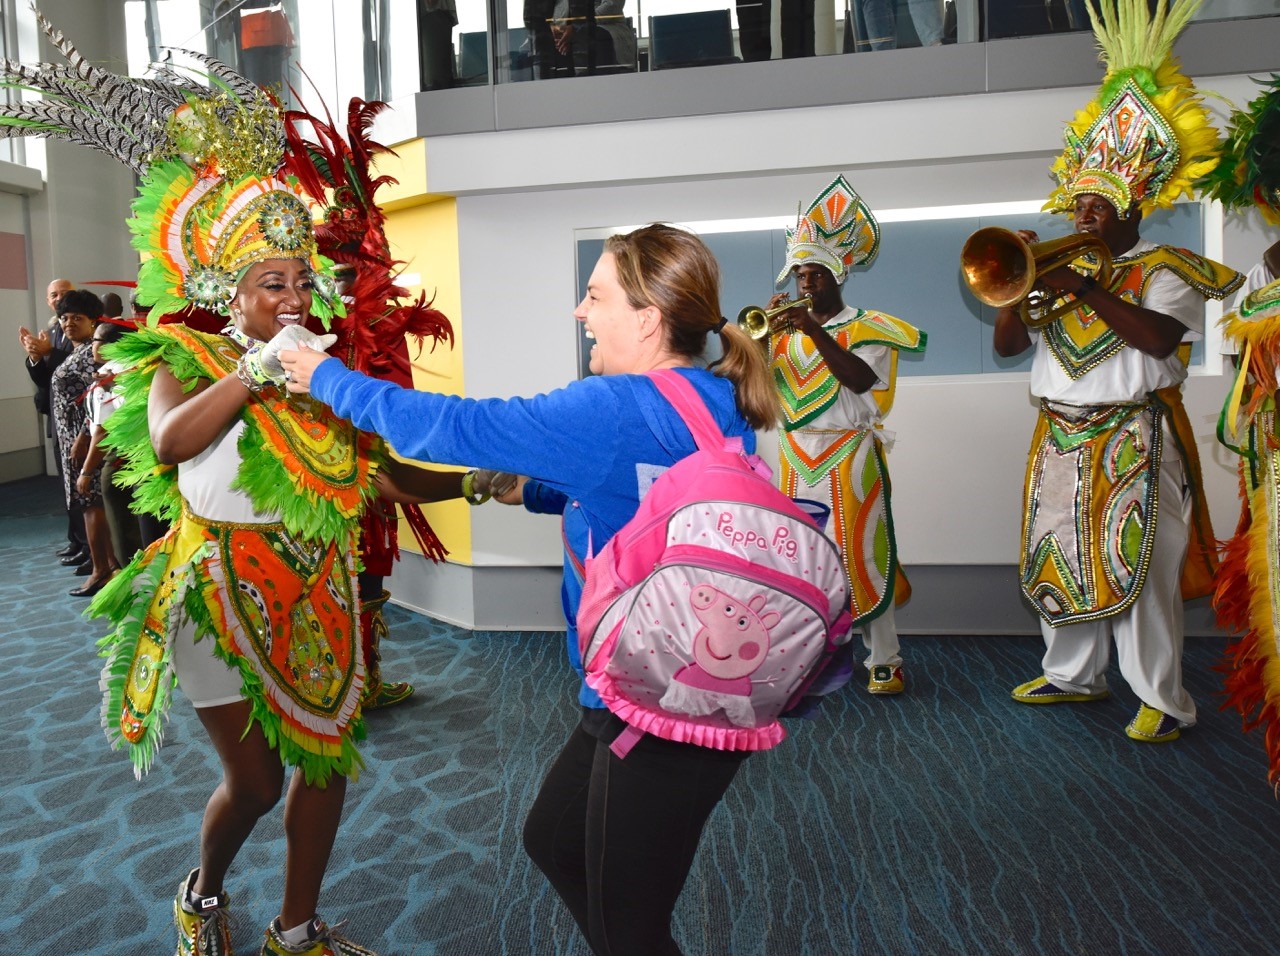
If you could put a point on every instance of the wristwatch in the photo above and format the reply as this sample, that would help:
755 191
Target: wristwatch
469 489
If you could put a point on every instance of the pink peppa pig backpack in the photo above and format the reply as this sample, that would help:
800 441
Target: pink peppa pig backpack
718 605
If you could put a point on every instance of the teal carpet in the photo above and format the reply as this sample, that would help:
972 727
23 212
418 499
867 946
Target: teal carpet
949 820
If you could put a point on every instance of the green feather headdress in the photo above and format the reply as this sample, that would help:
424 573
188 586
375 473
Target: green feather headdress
1249 173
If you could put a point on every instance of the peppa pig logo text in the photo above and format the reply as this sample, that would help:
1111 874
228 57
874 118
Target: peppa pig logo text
779 541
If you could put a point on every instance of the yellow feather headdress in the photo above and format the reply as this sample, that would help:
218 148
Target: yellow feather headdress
1146 137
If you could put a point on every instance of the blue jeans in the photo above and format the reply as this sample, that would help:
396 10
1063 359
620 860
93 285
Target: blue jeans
878 23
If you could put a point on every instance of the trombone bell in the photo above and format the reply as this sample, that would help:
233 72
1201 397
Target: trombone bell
760 323
1001 269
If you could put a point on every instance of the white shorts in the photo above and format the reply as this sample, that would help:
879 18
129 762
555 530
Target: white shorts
203 676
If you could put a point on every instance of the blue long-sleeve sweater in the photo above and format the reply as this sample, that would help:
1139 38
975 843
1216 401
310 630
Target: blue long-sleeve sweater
591 448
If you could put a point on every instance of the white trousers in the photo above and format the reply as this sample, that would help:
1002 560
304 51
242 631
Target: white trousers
880 637
1149 635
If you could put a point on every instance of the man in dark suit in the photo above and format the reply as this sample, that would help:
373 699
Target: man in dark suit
45 352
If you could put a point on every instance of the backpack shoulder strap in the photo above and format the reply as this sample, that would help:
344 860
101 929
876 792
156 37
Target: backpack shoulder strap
676 389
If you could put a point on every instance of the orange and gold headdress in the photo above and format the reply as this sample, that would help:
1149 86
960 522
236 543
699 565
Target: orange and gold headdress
838 231
1146 137
211 201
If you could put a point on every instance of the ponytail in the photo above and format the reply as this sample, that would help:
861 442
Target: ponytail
674 270
743 364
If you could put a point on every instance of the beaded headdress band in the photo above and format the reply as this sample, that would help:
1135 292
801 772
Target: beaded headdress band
838 231
1146 137
211 201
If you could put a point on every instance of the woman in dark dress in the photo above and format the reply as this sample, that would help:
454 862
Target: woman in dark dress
79 312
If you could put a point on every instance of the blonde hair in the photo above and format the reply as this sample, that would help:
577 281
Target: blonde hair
673 269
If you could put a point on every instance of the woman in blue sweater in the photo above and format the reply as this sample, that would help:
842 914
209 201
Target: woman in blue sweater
615 838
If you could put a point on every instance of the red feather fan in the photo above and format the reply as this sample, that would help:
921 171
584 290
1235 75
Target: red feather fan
337 173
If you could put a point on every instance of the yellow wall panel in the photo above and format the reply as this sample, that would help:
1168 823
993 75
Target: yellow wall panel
424 235
409 168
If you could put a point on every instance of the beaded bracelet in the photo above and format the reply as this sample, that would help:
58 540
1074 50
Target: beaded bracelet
246 379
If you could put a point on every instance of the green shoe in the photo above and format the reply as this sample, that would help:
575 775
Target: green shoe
1151 726
206 932
1040 691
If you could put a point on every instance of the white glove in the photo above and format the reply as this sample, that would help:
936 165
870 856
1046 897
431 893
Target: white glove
261 364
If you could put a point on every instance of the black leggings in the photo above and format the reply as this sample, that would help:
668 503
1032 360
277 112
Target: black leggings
616 838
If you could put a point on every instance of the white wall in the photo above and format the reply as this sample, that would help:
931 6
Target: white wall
957 467
19 427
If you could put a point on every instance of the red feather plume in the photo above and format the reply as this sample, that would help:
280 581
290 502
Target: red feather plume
336 171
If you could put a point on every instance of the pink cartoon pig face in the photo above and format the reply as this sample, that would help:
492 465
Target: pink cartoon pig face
734 638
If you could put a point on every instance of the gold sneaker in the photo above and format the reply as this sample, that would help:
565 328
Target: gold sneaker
886 680
324 941
206 932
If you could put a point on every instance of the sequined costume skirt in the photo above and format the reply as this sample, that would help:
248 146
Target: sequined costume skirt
846 471
281 610
1089 508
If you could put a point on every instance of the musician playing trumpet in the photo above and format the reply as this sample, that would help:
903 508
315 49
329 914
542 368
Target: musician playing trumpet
835 368
1115 532
1107 373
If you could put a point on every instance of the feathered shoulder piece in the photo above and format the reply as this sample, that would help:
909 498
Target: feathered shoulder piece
1145 138
1249 173
211 201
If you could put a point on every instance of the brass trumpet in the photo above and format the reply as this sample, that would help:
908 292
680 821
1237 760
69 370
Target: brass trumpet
1002 269
760 323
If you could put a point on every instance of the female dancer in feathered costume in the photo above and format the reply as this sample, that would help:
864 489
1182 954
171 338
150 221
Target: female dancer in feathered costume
251 597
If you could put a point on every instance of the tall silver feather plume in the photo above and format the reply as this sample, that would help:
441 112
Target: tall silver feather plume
119 115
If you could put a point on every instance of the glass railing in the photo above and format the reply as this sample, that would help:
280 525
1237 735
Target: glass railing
546 39
386 49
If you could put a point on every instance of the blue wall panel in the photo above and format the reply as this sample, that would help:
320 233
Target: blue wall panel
916 277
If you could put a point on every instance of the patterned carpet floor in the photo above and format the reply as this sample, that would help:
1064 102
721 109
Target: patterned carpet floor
948 820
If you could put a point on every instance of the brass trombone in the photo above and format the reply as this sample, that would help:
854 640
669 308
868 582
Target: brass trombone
1002 269
760 323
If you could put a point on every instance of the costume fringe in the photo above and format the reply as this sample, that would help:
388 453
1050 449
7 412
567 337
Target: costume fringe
318 760
1262 332
125 601
1244 602
1245 595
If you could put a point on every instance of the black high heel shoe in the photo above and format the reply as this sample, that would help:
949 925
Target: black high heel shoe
90 589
